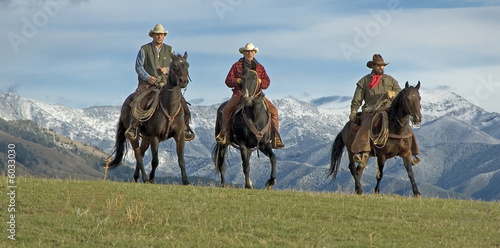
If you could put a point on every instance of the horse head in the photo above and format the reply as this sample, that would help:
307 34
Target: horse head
179 70
250 86
411 103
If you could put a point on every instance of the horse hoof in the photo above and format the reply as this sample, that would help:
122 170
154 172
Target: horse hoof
270 184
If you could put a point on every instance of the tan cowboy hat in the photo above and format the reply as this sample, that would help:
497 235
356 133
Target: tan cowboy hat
158 29
377 59
249 47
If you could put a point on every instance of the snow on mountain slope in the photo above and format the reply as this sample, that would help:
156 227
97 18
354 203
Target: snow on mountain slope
449 121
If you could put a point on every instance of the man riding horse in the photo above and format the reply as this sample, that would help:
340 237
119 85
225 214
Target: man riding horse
152 67
371 89
233 80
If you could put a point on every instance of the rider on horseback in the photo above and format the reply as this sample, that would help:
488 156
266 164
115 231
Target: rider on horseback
370 89
233 80
152 67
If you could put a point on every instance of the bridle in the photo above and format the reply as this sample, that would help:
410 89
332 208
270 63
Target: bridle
410 109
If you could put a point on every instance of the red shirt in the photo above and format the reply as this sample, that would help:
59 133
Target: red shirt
236 72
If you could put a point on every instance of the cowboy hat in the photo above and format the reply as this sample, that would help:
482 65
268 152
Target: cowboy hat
249 47
158 29
377 59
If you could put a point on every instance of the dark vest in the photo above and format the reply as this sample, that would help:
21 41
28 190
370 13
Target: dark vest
153 62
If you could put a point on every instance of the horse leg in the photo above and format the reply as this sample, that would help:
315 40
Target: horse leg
409 170
268 151
138 159
180 141
219 157
154 162
356 175
380 173
144 147
245 158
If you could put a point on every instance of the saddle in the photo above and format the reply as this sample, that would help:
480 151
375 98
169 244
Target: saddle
356 125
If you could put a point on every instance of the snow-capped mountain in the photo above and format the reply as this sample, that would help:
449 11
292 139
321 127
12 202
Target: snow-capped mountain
459 145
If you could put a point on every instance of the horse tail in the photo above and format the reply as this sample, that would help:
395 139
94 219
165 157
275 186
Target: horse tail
336 156
119 145
219 157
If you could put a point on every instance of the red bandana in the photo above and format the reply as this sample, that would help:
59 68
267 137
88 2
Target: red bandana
375 81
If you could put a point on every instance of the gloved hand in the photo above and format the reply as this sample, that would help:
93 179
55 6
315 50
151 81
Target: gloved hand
352 116
390 94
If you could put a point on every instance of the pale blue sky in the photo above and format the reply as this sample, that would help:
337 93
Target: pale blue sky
81 53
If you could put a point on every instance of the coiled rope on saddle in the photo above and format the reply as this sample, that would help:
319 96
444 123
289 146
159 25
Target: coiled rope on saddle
380 139
141 114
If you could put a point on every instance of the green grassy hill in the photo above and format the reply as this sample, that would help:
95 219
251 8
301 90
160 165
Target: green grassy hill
72 213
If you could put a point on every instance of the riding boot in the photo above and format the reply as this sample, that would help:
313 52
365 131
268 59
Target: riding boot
361 158
276 140
227 114
188 133
131 132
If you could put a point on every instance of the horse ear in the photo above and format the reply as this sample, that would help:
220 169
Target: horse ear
407 85
418 86
185 55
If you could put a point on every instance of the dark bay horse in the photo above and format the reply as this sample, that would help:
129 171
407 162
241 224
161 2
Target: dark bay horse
404 108
251 130
166 122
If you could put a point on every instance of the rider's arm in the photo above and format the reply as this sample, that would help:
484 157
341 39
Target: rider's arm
139 66
265 81
358 97
232 76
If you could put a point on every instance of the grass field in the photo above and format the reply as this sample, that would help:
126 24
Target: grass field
69 213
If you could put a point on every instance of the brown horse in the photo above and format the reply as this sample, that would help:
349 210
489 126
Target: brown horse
404 108
166 122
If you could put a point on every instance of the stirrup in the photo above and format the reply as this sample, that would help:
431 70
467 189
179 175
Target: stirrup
415 160
189 134
278 143
131 133
221 139
361 158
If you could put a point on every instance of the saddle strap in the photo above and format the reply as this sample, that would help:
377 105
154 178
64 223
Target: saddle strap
258 133
400 136
170 117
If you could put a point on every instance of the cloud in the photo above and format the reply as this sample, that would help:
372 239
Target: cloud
196 101
329 99
13 88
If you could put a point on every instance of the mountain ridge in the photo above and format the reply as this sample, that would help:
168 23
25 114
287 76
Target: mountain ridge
308 132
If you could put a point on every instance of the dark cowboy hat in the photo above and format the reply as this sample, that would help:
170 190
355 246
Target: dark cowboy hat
377 59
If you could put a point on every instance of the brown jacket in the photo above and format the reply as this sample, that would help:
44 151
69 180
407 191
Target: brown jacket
371 96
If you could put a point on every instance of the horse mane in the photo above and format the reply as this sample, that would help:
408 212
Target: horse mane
398 100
